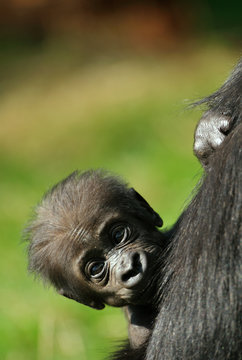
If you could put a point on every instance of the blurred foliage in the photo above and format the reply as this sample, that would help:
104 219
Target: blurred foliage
126 24
62 109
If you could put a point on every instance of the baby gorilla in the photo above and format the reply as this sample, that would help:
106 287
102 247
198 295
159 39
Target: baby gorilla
97 242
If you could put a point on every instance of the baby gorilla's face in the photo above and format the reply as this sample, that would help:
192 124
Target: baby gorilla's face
115 263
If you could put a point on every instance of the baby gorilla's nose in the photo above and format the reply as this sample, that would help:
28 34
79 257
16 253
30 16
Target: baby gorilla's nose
131 268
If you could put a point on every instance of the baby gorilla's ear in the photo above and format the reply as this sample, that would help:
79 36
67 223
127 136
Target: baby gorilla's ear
93 304
155 218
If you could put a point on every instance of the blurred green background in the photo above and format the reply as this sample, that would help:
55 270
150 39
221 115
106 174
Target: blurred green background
94 85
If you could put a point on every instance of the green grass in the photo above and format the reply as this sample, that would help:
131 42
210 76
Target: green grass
59 113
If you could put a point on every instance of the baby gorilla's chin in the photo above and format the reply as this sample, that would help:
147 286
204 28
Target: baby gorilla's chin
121 298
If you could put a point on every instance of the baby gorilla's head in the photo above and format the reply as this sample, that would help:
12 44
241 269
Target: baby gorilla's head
96 241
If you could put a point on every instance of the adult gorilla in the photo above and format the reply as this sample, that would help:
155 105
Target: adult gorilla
200 309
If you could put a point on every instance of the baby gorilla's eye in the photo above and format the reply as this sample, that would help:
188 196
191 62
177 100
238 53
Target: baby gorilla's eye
96 268
120 233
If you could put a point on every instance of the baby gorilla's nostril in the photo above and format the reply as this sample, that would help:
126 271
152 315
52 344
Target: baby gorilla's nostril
136 262
135 268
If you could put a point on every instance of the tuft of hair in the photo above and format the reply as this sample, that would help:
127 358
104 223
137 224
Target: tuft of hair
227 100
50 232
